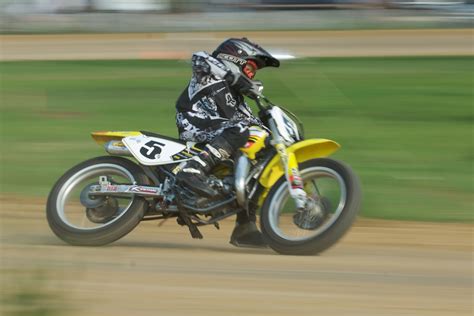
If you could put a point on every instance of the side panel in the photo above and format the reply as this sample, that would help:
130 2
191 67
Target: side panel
304 150
151 151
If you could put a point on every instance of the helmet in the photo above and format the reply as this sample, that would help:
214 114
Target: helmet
247 57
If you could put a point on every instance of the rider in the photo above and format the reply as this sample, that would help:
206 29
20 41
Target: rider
212 110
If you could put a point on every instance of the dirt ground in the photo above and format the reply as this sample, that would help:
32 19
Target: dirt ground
431 42
379 268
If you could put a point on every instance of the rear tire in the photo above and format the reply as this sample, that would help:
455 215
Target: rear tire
275 225
61 199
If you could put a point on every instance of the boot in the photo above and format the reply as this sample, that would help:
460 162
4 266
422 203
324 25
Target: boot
195 173
247 235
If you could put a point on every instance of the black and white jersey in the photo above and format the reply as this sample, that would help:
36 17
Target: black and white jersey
209 105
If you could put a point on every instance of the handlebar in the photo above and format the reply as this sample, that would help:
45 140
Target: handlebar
268 104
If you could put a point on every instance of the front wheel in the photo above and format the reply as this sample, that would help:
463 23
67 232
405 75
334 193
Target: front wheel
334 196
80 219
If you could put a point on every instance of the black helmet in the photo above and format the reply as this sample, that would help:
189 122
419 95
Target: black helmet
241 50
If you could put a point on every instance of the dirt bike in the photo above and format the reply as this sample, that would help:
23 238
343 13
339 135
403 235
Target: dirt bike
306 201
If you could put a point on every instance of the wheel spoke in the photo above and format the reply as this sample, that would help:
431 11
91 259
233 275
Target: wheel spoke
76 214
282 209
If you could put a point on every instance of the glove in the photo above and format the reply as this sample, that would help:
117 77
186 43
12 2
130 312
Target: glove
250 88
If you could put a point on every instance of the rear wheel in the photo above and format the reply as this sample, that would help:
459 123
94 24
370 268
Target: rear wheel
334 197
81 219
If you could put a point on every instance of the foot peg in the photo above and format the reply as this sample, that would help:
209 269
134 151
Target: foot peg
193 230
184 219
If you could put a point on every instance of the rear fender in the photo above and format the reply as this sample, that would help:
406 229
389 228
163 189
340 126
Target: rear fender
104 137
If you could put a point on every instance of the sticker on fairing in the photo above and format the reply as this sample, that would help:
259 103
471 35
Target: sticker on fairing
151 151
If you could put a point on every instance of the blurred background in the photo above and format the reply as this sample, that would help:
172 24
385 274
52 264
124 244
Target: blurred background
390 80
35 16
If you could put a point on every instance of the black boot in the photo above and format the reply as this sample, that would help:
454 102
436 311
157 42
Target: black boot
195 173
247 235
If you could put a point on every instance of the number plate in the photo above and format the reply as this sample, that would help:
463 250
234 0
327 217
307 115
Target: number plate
151 151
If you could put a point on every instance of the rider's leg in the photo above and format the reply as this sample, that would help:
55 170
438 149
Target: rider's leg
246 233
195 173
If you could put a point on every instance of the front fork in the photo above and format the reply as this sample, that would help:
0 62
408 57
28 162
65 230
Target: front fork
290 164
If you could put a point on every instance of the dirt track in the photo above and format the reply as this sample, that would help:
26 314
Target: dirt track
431 42
379 268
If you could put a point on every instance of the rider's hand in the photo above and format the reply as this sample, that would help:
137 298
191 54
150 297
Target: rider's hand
250 88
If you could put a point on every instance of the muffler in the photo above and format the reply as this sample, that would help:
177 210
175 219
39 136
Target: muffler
117 148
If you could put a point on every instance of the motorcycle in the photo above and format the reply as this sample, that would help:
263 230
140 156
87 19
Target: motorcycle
306 200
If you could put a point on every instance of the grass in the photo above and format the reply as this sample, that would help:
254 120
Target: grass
405 124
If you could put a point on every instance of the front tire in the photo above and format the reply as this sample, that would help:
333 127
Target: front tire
98 224
337 193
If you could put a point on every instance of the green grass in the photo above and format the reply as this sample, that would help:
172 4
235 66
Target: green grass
405 124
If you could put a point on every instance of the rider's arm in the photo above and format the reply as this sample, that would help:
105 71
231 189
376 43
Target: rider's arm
204 65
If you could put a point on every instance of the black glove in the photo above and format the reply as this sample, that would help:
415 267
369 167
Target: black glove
244 85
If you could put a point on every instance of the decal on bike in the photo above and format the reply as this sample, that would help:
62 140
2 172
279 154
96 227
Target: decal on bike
296 181
187 153
139 189
152 149
109 188
289 127
286 126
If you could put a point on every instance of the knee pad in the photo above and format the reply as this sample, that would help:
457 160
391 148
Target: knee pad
235 137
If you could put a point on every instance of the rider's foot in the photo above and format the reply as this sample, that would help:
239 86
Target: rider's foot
247 235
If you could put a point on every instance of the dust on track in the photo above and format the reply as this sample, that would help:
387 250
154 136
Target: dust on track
379 268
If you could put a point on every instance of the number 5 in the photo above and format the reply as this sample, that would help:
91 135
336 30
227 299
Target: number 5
152 149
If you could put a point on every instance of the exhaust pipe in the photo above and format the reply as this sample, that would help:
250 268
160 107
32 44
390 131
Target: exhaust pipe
117 148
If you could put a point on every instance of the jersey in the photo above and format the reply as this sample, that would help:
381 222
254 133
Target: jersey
209 104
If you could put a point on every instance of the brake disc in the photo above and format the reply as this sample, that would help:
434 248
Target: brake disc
91 201
103 213
313 215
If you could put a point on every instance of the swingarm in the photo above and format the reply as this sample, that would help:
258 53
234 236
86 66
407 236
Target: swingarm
105 187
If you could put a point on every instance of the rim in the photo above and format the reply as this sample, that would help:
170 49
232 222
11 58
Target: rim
280 219
68 205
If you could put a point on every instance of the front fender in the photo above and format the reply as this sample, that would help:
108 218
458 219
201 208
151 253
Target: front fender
304 150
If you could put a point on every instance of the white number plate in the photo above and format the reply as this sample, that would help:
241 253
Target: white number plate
151 151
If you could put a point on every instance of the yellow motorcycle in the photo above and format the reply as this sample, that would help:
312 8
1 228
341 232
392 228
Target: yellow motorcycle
306 201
